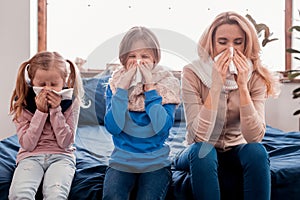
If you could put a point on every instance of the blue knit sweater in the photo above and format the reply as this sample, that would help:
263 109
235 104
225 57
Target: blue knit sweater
139 137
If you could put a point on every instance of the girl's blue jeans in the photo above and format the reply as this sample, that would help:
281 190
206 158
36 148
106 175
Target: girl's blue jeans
56 171
220 175
120 185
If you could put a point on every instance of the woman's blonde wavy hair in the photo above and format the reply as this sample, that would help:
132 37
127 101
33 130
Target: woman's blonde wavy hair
252 48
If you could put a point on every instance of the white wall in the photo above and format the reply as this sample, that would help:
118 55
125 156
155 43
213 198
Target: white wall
90 27
279 112
14 48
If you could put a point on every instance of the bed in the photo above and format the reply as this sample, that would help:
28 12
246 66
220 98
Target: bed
94 145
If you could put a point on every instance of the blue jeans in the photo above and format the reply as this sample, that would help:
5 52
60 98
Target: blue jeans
55 170
212 172
120 185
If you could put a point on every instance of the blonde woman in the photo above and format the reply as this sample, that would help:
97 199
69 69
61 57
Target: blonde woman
224 95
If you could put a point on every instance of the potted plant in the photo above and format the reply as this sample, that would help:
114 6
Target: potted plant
292 74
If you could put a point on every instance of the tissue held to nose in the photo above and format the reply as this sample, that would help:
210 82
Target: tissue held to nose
137 78
231 52
65 93
232 67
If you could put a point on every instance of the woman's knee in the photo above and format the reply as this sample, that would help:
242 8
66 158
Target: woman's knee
203 150
254 153
203 157
257 150
200 153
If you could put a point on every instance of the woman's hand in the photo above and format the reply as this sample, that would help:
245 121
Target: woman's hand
126 79
41 101
242 66
147 76
220 69
54 100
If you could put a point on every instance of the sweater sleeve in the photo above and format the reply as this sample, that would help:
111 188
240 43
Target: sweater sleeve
161 116
116 109
64 124
200 121
29 128
252 116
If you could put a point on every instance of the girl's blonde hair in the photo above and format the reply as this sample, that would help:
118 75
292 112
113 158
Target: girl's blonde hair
252 47
44 60
135 34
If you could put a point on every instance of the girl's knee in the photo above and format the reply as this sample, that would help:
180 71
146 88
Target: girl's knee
56 191
19 192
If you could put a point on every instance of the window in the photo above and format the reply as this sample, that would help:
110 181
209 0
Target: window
92 29
295 41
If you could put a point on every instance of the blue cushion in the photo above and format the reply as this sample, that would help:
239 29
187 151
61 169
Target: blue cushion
100 99
94 94
179 114
8 152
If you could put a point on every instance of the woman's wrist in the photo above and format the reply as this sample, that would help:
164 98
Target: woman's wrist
244 89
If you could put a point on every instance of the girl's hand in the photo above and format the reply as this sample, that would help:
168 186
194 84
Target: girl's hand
54 100
241 64
147 76
41 101
126 79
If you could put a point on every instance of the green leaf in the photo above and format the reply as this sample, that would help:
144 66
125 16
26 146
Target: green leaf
293 75
297 112
296 96
266 40
297 58
290 50
297 28
261 27
295 91
293 70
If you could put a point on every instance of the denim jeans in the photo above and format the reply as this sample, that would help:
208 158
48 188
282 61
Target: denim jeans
208 169
56 171
120 185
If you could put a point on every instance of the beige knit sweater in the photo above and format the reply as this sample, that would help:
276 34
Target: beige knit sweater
232 124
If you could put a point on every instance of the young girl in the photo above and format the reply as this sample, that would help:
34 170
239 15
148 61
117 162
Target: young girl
141 102
46 123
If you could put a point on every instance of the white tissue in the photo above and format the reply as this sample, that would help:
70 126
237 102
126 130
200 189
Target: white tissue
231 52
137 78
232 67
65 93
37 90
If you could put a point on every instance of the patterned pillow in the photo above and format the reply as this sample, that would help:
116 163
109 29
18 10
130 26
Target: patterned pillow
95 94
